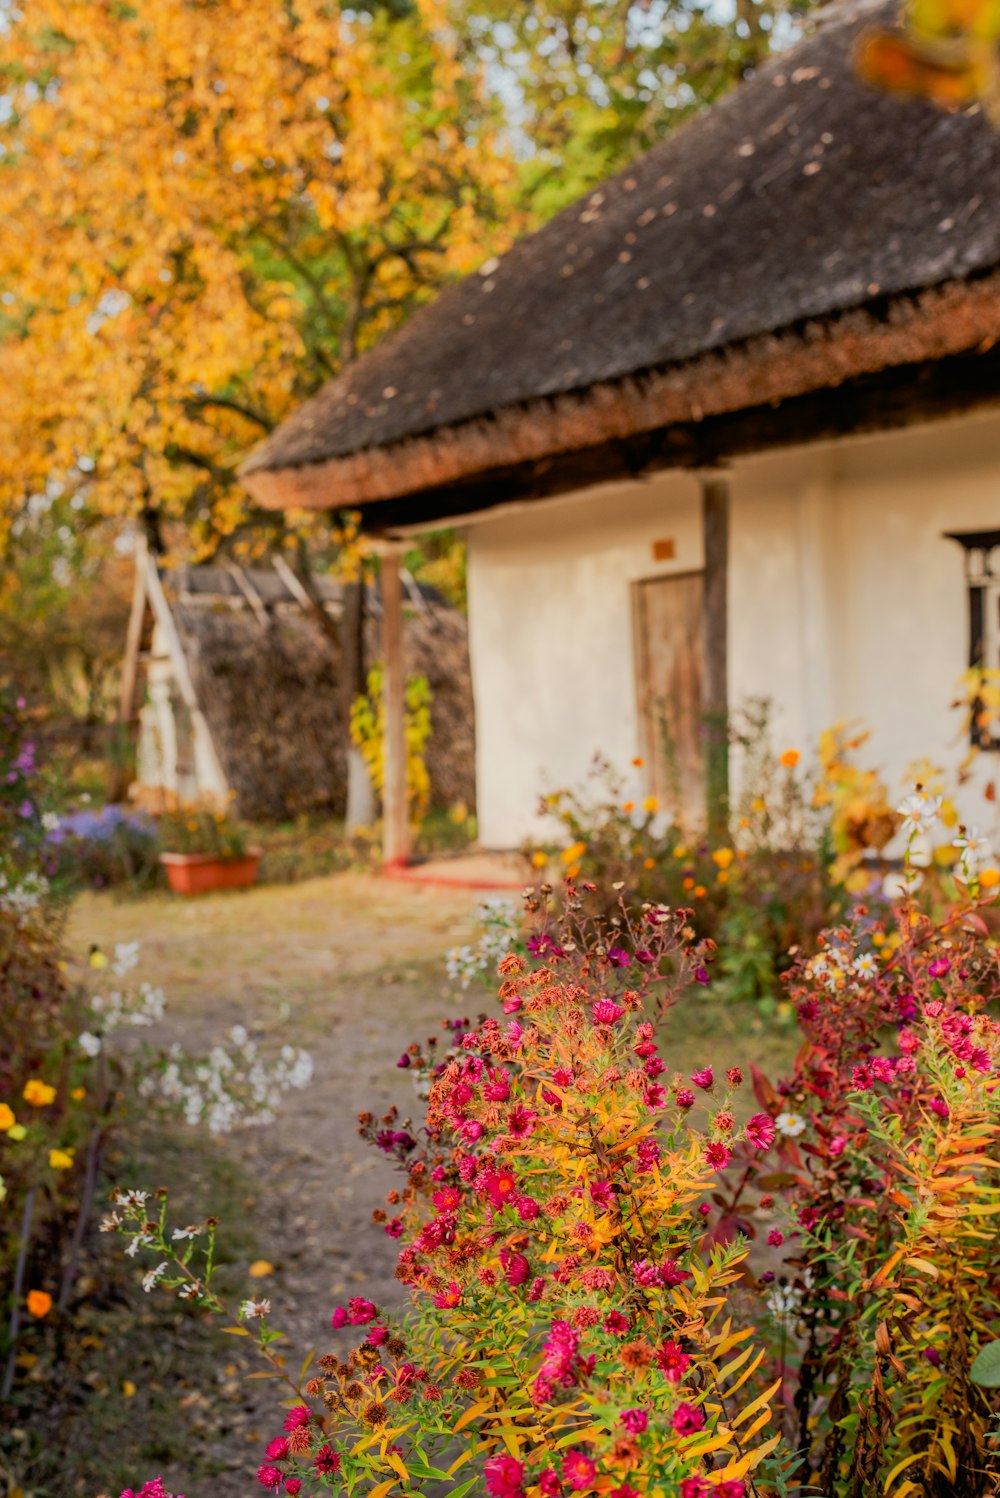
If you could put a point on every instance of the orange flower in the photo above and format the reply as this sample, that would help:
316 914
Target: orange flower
790 759
37 1092
39 1303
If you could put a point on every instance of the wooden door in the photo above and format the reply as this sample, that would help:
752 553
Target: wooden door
670 661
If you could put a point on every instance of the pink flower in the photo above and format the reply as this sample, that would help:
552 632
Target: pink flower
501 1188
775 1237
497 1089
694 1487
360 1312
504 1476
520 1121
298 1416
515 1267
634 1421
471 1130
616 1323
673 1361
549 1485
270 1477
293 1486
717 1156
602 1195
376 1336
339 1318
760 1131
447 1199
703 1078
527 1208
685 1097
327 1461
278 1449
448 1298
606 1012
732 1487
734 1077
578 1471
687 1418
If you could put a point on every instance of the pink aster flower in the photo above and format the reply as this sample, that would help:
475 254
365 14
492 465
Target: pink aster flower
360 1312
270 1477
515 1267
685 1098
717 1156
520 1121
293 1486
297 1418
634 1421
673 1361
504 1476
501 1188
339 1317
694 1487
578 1471
687 1419
449 1297
278 1449
606 1012
327 1461
616 1323
703 1078
602 1195
775 1237
549 1485
760 1131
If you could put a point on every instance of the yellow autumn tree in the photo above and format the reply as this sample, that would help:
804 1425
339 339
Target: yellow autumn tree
208 208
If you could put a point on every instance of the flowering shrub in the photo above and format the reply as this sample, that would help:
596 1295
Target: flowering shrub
101 848
621 1283
368 735
192 828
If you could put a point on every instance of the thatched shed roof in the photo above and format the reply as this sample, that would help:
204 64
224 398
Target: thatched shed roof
859 228
270 691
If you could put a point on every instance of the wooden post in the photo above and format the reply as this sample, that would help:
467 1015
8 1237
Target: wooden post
395 811
715 529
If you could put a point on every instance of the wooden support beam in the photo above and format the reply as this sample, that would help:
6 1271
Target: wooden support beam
715 528
395 810
128 704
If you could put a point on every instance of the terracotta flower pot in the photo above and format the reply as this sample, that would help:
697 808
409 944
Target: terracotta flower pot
198 873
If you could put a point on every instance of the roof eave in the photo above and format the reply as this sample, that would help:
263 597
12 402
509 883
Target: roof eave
934 323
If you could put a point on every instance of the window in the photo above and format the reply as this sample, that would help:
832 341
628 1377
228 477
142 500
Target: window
982 575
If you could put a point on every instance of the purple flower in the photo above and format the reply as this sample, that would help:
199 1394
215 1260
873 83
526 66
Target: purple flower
618 957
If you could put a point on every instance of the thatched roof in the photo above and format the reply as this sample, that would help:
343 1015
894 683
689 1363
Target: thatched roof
270 691
805 205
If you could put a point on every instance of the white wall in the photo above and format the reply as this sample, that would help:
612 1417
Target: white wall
845 602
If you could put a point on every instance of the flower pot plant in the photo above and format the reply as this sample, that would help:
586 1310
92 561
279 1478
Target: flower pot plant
203 850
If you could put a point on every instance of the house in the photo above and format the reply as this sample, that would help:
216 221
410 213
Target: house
233 684
728 427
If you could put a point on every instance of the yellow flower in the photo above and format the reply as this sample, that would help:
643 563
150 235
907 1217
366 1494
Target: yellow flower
38 1093
259 1269
989 878
680 851
722 877
16 1132
97 958
649 863
758 804
688 883
39 1302
573 852
699 890
651 805
723 857
539 859
573 871
628 807
790 759
7 1119
61 1159
78 1094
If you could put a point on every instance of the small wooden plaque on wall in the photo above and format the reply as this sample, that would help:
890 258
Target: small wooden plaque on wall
664 551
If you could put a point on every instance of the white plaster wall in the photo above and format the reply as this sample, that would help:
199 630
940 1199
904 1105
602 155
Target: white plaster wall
845 602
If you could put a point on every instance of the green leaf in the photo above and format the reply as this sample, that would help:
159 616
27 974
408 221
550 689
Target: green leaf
986 1368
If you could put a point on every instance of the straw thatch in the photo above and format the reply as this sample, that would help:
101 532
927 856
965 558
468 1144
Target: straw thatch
800 201
271 696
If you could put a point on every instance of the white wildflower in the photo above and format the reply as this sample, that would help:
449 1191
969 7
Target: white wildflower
250 1310
188 1232
919 811
50 821
790 1124
866 965
89 1044
126 957
153 1276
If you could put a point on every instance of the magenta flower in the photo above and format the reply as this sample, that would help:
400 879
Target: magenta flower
687 1419
606 1012
504 1476
717 1156
298 1416
360 1312
634 1421
578 1471
520 1121
673 1361
278 1449
760 1131
703 1078
270 1477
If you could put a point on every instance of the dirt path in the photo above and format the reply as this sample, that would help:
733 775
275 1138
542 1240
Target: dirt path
349 967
